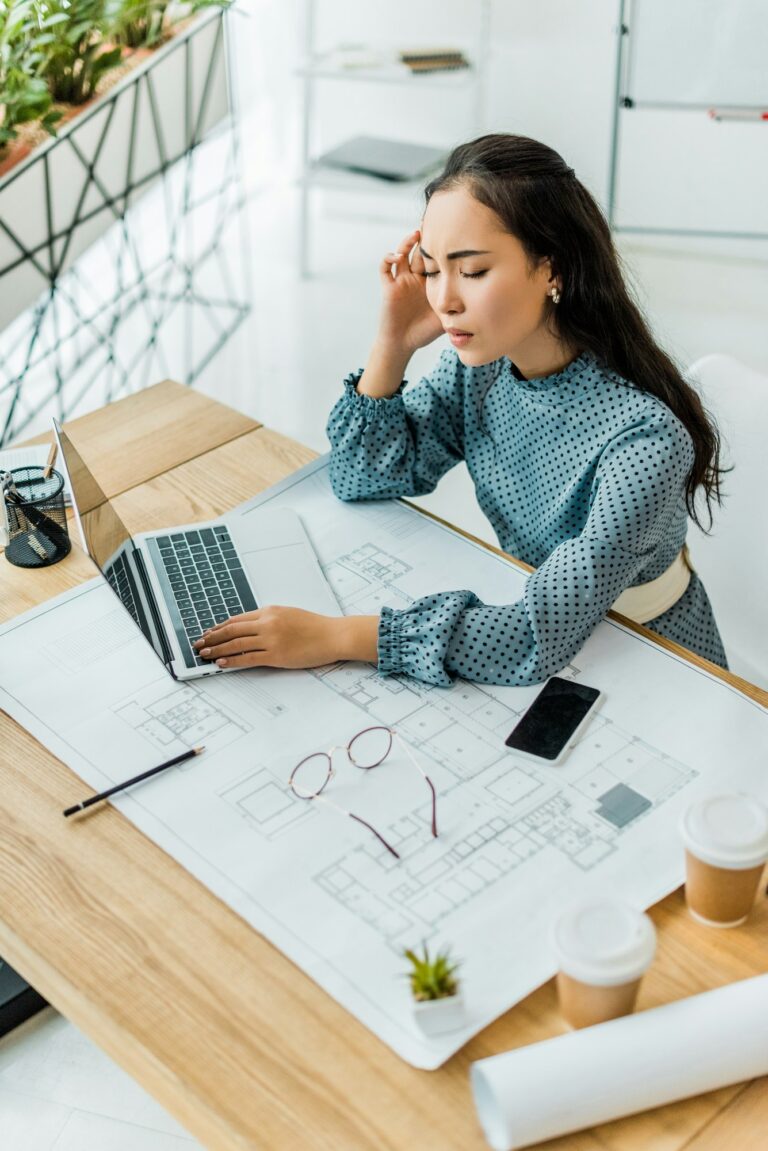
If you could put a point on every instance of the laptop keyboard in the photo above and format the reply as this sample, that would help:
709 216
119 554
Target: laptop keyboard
121 581
206 578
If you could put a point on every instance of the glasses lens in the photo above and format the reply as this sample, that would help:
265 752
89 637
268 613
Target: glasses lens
369 747
311 775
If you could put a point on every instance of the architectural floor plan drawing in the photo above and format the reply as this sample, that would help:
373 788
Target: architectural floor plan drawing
518 810
265 802
170 714
517 839
367 578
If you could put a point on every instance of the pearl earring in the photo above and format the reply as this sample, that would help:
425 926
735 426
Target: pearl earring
555 296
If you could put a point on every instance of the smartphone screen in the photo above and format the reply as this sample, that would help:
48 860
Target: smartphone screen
552 718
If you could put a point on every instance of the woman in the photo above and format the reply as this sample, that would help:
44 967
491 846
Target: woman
586 446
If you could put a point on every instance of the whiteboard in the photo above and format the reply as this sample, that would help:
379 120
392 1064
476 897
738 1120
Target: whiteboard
711 53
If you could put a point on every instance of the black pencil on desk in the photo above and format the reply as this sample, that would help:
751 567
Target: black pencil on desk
136 779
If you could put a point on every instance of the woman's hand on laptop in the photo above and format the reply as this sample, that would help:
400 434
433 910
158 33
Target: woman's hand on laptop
289 637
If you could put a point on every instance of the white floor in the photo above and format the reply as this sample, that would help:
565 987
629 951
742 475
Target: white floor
58 1091
284 365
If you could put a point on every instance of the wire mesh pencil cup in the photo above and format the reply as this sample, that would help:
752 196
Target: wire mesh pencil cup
37 518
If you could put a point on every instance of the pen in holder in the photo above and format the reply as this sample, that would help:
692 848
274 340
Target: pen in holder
37 520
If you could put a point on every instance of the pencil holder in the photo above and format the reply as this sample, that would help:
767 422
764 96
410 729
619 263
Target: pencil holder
37 520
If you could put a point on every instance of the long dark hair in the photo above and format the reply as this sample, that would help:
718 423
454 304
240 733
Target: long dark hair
539 200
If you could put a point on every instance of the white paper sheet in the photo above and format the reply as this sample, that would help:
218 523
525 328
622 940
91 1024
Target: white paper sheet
698 1044
517 841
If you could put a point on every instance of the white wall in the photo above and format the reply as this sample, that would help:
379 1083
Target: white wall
552 78
550 75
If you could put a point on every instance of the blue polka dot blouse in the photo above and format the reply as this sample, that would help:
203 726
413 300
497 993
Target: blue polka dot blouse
580 474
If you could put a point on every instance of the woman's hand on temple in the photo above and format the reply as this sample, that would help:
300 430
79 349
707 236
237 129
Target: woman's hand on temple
407 321
289 637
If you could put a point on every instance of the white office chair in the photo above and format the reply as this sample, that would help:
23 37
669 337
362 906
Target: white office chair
733 559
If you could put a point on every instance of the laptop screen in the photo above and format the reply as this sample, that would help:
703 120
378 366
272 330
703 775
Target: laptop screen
106 538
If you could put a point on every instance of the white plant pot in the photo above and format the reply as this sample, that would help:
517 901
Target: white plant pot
437 1016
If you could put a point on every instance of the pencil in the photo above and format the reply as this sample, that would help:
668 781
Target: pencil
136 779
50 461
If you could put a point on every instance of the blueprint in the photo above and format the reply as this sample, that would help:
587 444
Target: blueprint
517 840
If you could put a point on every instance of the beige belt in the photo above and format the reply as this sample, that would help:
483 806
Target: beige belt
649 600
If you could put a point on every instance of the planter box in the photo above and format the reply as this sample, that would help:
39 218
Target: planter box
57 201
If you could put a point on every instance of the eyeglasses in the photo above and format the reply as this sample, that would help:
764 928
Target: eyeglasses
366 750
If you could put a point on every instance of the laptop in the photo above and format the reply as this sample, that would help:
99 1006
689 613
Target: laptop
178 582
394 160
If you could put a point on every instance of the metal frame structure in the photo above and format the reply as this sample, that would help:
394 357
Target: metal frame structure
69 341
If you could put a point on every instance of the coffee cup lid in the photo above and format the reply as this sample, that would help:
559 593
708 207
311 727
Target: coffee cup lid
729 831
603 941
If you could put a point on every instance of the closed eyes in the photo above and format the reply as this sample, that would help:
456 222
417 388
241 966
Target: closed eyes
465 275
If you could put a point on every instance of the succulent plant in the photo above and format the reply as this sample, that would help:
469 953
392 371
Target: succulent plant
432 978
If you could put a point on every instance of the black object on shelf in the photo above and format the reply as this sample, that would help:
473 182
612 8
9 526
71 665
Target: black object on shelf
18 1001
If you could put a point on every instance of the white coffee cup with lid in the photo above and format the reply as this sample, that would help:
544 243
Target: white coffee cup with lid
726 847
603 948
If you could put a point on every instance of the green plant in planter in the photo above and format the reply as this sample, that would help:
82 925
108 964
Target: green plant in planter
24 94
432 978
144 23
76 58
138 23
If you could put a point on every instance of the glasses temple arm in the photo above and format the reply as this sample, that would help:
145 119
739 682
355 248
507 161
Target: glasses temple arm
434 805
380 838
422 772
343 810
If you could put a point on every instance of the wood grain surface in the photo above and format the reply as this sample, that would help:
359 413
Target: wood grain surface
241 1046
140 436
742 1125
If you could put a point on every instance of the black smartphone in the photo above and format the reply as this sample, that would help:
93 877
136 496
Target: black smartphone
554 719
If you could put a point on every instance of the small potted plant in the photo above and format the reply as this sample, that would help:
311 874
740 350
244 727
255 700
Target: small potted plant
438 1005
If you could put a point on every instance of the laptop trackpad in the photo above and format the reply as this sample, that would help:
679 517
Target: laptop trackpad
288 575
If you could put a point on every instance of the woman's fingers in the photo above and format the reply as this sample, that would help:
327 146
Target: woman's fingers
247 659
401 259
417 262
392 263
215 649
248 618
407 242
234 629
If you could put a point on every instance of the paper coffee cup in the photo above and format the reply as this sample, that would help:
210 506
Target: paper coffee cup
603 949
726 847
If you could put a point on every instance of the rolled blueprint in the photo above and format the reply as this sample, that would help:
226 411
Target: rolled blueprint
623 1066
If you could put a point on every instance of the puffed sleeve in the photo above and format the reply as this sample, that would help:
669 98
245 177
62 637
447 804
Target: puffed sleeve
636 496
399 446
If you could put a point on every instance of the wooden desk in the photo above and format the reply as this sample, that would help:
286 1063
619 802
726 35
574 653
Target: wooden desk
242 1047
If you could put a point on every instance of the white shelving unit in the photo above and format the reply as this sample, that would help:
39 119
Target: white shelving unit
319 68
